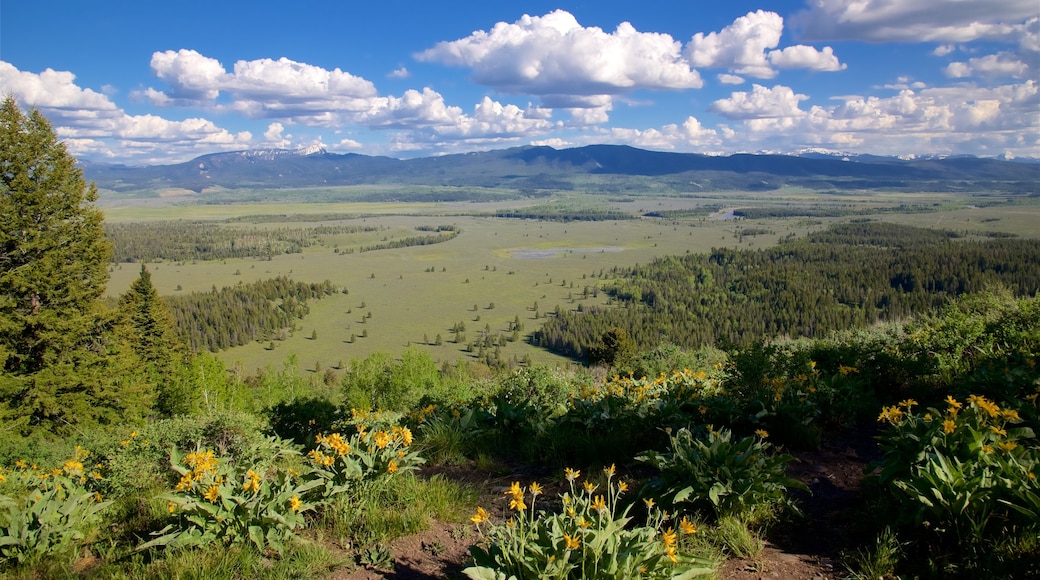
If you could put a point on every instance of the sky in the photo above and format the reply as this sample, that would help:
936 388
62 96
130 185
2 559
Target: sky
140 82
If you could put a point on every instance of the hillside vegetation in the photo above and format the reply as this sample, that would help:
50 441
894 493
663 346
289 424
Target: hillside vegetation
128 452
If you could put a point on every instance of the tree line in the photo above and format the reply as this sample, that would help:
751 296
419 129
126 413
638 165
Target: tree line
236 315
198 240
848 276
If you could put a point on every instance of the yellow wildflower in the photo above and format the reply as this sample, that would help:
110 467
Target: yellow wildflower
252 482
609 471
21 464
762 433
479 517
572 543
212 493
295 503
998 431
952 402
1010 415
649 503
622 487
571 474
381 439
589 487
97 497
171 507
907 403
987 449
1007 445
599 503
949 426
391 467
536 489
687 527
582 523
670 537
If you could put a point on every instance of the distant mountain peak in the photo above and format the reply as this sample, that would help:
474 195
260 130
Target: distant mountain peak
316 149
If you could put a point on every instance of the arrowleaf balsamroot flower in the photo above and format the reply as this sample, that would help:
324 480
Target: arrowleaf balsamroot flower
480 517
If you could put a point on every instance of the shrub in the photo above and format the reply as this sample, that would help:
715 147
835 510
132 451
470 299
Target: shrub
590 537
51 513
721 476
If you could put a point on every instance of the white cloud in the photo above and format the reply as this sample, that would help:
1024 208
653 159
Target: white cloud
554 57
273 136
1002 64
744 48
761 102
912 20
728 79
400 73
958 119
802 56
944 49
91 124
260 88
51 90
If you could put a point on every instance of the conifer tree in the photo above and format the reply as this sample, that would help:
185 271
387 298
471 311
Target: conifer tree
53 254
147 329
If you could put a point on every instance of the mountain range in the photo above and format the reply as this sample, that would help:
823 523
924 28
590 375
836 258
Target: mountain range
615 167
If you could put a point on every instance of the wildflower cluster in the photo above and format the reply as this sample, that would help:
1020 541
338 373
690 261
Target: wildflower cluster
591 536
969 470
219 500
48 511
369 453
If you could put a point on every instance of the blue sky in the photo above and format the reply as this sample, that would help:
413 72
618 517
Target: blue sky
145 82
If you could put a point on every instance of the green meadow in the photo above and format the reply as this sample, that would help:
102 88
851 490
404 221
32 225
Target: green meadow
499 270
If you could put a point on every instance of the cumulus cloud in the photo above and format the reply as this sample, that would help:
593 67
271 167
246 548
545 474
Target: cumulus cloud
744 48
259 88
52 91
761 102
400 73
1003 64
959 119
92 124
728 79
802 56
273 136
913 20
557 59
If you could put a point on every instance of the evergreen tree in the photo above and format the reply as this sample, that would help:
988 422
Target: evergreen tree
147 329
54 334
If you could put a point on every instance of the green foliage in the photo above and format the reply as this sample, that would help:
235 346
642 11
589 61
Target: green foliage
850 276
591 536
60 366
218 499
236 315
719 476
339 462
968 474
51 514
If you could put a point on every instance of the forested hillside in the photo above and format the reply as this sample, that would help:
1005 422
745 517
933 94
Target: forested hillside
848 276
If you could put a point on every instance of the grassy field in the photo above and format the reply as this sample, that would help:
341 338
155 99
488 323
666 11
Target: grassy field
497 269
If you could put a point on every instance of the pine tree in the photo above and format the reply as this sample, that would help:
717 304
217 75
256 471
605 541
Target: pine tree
147 329
54 334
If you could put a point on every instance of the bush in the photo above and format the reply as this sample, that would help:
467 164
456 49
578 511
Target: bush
720 476
591 536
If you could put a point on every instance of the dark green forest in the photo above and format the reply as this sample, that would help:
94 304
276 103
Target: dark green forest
236 315
186 241
850 275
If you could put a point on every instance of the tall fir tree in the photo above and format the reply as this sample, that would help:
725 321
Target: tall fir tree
146 327
55 339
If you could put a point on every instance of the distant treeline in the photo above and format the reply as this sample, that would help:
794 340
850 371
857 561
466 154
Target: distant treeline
562 214
826 211
196 240
233 316
848 276
447 233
